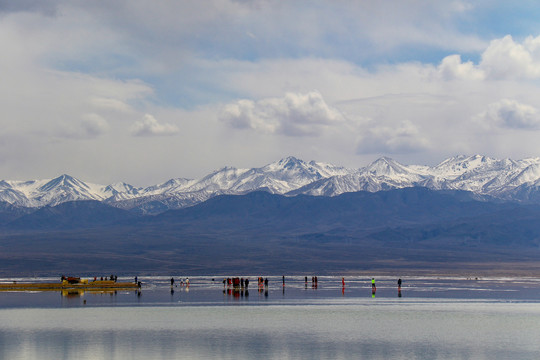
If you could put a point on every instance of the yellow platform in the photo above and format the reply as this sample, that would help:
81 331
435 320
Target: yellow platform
65 285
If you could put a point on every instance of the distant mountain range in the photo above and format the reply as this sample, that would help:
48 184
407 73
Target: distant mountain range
468 212
513 180
395 231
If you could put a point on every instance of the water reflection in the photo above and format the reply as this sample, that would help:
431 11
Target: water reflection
71 293
236 293
415 331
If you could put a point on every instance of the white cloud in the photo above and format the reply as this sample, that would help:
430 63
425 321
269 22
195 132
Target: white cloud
293 115
151 127
511 114
93 70
94 125
452 67
404 138
90 126
504 58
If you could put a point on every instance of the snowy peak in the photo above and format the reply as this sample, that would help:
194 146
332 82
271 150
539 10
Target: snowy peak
120 187
479 174
286 175
386 167
386 173
530 174
219 180
176 184
294 166
291 167
459 165
63 182
503 178
290 163
66 188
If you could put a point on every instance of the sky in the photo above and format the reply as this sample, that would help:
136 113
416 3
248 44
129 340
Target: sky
145 91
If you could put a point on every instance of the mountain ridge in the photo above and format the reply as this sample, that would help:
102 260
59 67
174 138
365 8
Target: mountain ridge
505 179
271 233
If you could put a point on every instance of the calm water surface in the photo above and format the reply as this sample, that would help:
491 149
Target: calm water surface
434 318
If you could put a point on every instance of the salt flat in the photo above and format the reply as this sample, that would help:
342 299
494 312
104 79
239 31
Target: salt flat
434 318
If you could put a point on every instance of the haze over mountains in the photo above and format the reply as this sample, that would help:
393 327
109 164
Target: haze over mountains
506 179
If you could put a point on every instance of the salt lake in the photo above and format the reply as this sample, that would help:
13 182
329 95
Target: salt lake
431 318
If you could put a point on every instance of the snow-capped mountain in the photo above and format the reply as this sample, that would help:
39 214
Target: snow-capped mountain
279 177
505 179
478 174
38 193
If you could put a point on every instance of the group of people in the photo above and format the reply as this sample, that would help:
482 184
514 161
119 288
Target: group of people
105 278
182 282
262 281
374 287
314 281
241 283
236 282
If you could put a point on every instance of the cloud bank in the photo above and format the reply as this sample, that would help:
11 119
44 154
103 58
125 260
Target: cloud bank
151 127
292 115
101 90
511 114
405 138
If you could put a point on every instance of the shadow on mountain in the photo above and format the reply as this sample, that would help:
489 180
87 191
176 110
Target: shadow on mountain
70 215
397 230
